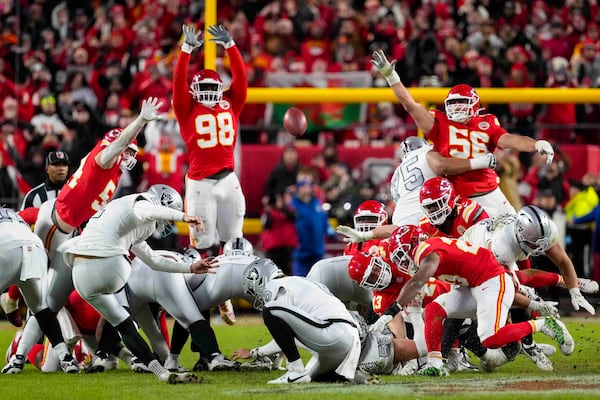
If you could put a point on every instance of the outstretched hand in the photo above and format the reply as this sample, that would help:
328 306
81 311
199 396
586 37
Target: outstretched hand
194 221
220 36
205 266
150 108
380 62
351 234
191 38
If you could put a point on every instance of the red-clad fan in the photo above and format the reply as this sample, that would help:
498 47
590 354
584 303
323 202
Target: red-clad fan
208 120
368 215
447 214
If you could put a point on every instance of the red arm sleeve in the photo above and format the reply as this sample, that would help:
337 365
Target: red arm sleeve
238 91
181 96
29 214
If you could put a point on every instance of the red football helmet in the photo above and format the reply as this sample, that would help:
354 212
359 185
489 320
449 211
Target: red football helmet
462 103
129 160
370 271
207 87
369 215
111 135
437 198
402 246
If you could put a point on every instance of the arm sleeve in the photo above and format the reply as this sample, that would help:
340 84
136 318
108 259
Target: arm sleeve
157 262
126 136
238 91
145 211
181 94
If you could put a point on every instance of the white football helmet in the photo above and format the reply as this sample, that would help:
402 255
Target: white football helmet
238 247
409 144
255 278
535 231
207 88
166 196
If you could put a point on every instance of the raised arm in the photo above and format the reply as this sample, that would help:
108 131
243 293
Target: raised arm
423 118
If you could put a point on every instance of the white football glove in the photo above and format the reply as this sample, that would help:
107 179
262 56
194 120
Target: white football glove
190 39
381 323
543 307
485 161
577 300
150 108
352 235
544 147
220 36
385 68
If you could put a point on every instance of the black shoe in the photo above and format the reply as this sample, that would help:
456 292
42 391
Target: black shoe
201 364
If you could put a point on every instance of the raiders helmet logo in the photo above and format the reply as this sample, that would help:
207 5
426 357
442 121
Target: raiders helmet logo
484 125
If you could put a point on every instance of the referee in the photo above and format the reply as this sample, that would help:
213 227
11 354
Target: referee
57 171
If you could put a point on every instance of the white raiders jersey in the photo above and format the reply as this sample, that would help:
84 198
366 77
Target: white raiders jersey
406 183
333 273
121 225
311 297
210 290
14 232
377 354
498 235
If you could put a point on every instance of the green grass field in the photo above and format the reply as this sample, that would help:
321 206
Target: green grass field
574 377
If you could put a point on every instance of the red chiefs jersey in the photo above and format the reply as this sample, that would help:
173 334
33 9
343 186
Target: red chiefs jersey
466 213
369 247
461 263
475 138
88 189
209 134
85 316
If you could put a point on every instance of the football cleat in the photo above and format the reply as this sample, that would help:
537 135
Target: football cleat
69 365
227 312
547 349
201 364
492 359
430 370
138 366
511 350
587 285
458 360
220 363
536 355
15 365
364 378
101 362
555 329
264 363
173 378
291 377
173 365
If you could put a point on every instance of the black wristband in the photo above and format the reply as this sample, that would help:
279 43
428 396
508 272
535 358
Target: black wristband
393 310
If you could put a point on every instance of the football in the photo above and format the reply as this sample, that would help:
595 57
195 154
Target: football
294 121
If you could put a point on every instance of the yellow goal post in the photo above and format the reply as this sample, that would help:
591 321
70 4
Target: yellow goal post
422 95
